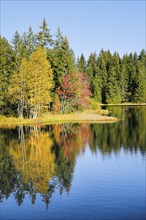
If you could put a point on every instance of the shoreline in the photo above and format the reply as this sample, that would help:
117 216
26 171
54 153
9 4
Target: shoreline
98 116
125 104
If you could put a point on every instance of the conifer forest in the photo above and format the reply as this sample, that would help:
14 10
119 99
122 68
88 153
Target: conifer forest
39 72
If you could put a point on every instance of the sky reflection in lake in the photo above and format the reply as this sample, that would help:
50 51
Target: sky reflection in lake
75 171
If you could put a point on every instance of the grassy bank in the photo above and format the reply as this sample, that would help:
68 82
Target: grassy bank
49 118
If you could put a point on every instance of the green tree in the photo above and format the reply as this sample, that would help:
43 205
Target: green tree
140 90
23 45
81 64
7 66
31 41
16 44
62 59
124 80
44 37
97 84
113 91
102 64
94 77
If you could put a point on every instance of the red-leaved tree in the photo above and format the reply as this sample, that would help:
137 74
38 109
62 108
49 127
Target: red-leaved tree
74 92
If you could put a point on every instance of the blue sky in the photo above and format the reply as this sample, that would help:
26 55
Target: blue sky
89 25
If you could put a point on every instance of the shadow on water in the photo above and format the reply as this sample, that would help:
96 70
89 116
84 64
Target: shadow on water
42 159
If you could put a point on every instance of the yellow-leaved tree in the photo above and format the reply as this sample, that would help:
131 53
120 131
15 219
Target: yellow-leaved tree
40 82
31 85
33 158
18 90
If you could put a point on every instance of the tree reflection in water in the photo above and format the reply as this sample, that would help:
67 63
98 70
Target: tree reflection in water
42 159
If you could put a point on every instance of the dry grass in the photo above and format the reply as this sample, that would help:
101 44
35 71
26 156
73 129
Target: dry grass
49 118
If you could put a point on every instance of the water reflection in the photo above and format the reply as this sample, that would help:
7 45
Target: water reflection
41 160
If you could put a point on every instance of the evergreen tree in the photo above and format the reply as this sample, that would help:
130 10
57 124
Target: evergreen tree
23 45
7 66
16 44
44 37
94 77
132 69
91 69
140 82
62 59
123 80
102 64
81 64
24 50
113 90
97 88
31 41
59 39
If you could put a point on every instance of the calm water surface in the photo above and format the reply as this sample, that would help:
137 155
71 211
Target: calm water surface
75 171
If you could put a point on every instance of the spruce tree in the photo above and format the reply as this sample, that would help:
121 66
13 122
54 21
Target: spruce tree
16 44
81 64
31 41
62 59
7 66
113 90
44 37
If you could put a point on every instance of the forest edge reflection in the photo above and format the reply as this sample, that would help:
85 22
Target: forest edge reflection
42 159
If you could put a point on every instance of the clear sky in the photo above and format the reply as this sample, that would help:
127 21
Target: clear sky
89 25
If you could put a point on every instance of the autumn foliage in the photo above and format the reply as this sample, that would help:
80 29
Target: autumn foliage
74 92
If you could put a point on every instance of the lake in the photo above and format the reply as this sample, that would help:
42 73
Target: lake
76 171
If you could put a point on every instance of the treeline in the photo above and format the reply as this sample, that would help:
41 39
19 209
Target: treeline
114 79
39 72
